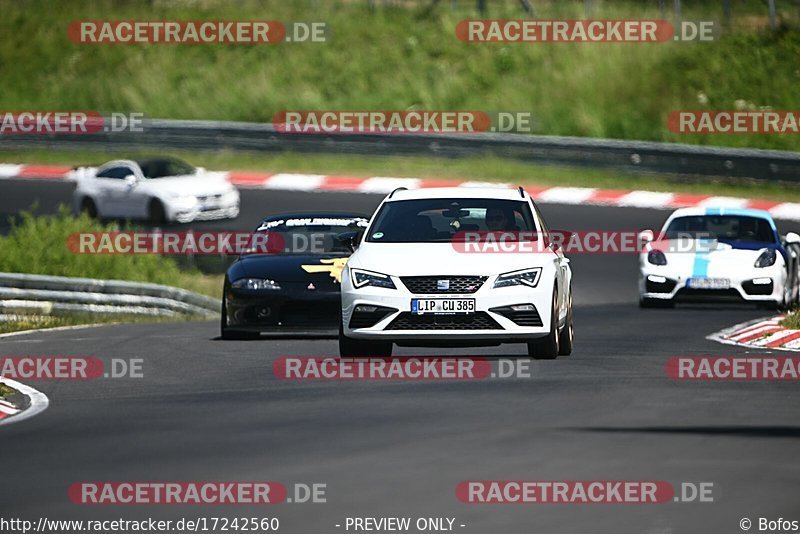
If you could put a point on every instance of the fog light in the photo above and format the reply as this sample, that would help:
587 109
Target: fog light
365 309
523 307
656 279
762 281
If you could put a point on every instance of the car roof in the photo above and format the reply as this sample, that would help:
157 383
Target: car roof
316 214
717 211
119 163
499 192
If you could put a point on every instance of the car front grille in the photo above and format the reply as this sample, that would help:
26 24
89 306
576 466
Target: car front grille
474 321
442 285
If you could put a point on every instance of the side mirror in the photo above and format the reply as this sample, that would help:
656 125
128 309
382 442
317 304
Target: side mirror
349 239
792 238
130 180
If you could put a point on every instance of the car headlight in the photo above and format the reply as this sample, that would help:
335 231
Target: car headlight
766 259
525 277
255 284
363 278
656 257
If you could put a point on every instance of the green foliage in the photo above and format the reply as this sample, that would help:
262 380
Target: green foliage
403 58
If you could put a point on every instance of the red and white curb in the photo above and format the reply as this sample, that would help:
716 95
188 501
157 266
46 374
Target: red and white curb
10 414
387 184
762 334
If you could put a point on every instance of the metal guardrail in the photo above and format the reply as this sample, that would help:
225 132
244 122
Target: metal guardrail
58 295
674 158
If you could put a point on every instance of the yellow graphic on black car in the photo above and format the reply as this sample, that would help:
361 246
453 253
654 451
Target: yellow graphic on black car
332 266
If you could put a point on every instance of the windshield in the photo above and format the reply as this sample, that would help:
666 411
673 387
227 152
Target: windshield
159 168
722 228
311 235
440 219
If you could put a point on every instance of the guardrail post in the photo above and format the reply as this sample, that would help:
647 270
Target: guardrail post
676 5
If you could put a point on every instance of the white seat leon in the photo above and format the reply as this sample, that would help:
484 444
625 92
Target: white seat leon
429 271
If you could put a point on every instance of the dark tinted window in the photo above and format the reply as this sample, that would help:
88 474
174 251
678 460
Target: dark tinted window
159 168
119 173
440 219
723 228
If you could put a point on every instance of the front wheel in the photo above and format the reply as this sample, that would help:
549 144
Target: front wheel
547 348
228 334
156 213
357 348
89 208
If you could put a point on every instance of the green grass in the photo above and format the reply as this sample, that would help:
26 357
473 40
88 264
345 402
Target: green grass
792 320
5 391
405 58
38 245
24 322
484 168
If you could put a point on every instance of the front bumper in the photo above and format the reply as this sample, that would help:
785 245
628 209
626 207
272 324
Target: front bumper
226 207
290 309
493 321
744 287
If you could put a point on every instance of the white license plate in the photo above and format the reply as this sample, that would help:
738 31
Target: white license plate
442 306
708 283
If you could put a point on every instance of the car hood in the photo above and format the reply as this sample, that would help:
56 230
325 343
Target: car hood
711 258
289 267
201 184
412 259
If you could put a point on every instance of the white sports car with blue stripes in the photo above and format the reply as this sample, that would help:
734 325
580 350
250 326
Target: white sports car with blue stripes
719 254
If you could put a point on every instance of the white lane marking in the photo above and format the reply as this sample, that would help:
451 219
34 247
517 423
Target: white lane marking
39 402
738 336
724 202
788 211
9 170
386 184
646 199
294 182
566 195
54 329
474 183
725 336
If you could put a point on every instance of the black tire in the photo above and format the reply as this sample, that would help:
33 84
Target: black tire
567 334
156 213
228 334
547 348
655 303
356 348
89 207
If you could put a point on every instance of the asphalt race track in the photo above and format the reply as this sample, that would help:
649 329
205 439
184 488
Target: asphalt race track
212 410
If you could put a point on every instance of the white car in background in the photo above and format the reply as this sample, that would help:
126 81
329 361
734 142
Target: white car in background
720 254
159 190
410 283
